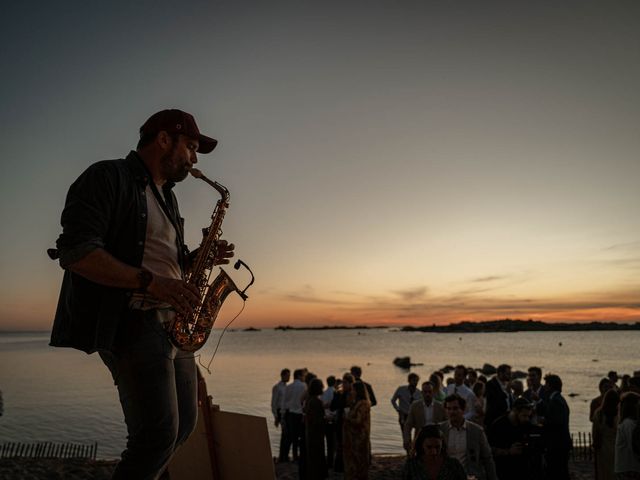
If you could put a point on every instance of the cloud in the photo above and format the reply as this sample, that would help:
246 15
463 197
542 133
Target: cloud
306 294
412 294
629 246
491 278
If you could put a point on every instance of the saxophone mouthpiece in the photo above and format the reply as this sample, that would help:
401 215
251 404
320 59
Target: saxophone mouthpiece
195 172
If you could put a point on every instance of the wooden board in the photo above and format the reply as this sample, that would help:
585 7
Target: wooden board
242 447
224 446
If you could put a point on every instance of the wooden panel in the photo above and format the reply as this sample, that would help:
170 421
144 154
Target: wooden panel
242 448
241 445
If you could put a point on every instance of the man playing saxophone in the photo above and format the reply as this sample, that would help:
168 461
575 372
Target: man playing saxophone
124 259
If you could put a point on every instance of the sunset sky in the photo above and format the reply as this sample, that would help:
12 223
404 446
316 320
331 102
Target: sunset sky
389 163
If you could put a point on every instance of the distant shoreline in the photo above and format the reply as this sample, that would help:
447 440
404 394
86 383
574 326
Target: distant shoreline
507 325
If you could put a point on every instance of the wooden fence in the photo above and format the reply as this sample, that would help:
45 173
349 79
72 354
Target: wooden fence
582 449
48 450
582 446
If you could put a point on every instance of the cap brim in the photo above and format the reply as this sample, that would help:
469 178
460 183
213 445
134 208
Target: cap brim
206 144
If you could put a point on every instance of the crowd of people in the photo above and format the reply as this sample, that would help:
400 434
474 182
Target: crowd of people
467 426
615 415
324 428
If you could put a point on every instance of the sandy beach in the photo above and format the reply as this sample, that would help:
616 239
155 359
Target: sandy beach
384 467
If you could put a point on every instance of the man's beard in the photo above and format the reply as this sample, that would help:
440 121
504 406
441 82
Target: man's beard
172 172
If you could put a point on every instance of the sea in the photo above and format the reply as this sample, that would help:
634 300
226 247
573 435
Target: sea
63 395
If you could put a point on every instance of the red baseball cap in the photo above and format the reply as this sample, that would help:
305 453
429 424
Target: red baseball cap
177 121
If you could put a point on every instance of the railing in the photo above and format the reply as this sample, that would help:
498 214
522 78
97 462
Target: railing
48 450
582 446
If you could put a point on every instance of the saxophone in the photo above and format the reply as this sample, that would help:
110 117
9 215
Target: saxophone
189 333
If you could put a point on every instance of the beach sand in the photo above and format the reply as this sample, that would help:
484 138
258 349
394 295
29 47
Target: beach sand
389 467
384 467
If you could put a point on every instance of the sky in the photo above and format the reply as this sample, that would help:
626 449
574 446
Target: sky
389 163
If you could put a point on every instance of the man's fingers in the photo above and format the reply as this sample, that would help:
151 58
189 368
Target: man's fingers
181 304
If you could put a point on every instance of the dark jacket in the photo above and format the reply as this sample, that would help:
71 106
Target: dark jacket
105 208
556 423
498 401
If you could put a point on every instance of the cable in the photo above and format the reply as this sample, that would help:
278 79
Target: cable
244 303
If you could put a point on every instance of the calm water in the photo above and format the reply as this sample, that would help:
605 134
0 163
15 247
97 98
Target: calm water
65 395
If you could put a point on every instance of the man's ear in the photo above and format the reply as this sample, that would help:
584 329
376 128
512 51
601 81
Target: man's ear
164 140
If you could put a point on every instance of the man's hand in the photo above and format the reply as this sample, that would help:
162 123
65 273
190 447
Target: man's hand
516 449
223 252
181 296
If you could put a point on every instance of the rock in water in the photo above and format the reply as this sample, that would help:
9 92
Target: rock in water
488 369
402 362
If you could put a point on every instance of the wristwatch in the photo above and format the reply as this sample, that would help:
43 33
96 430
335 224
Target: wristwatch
145 277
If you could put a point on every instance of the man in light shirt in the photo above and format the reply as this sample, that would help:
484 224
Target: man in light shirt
459 388
422 412
466 441
404 396
293 395
278 410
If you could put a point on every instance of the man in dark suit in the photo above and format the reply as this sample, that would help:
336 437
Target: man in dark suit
536 394
422 412
515 444
356 371
498 395
556 436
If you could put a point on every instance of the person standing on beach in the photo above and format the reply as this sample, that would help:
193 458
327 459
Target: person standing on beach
278 410
356 371
422 412
604 385
329 424
556 436
511 437
340 405
315 463
293 398
467 441
356 434
124 258
457 387
439 393
429 459
604 429
627 449
535 393
404 396
498 395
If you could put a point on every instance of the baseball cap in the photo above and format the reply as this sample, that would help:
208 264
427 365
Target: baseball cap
177 121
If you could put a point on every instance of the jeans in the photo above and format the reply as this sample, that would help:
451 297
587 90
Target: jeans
157 385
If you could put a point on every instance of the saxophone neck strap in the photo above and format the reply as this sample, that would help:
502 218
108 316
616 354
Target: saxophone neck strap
166 202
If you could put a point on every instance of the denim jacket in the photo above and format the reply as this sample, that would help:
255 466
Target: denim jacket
105 208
